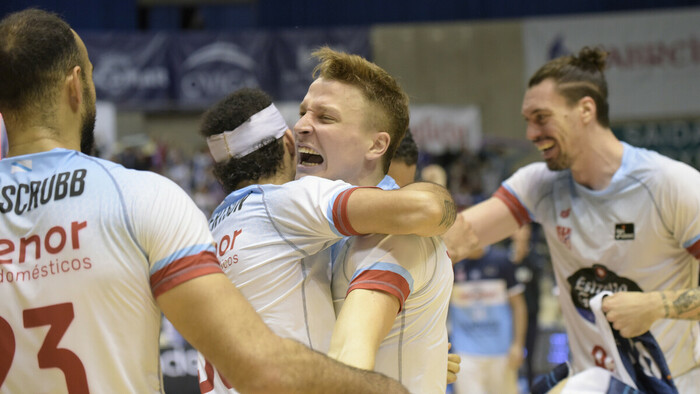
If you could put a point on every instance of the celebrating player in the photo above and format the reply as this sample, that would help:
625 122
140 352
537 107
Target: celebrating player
616 217
91 252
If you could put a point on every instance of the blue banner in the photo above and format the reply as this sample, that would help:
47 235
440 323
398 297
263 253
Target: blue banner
131 68
293 61
207 67
194 70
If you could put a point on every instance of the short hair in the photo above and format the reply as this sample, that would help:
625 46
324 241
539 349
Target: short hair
376 85
230 113
578 76
38 49
407 151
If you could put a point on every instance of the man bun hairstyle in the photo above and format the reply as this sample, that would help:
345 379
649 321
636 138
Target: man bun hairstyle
578 76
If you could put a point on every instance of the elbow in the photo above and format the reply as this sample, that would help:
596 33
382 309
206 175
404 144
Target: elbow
436 217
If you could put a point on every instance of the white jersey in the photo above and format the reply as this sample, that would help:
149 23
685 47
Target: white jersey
417 271
641 233
86 247
266 235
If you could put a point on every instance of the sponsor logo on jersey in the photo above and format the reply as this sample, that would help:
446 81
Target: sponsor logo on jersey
564 235
233 207
587 282
624 231
565 213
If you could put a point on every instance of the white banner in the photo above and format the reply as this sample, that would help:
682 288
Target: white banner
438 129
653 69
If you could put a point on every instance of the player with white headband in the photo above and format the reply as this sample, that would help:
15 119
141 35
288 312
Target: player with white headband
269 225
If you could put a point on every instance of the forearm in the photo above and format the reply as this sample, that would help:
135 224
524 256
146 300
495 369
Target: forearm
363 322
681 304
421 208
296 369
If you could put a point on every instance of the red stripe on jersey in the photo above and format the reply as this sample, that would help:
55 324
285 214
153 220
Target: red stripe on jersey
340 213
514 205
381 280
694 249
182 270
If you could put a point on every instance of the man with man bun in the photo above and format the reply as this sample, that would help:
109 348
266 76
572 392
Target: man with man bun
616 218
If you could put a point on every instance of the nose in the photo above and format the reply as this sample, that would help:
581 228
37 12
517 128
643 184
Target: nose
532 132
302 126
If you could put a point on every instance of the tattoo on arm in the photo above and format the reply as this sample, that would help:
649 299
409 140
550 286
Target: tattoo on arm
687 305
665 302
449 214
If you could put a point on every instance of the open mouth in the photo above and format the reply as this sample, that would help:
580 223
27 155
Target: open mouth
545 146
309 157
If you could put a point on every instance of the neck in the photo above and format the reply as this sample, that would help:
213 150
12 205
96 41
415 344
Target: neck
277 179
371 174
35 140
600 158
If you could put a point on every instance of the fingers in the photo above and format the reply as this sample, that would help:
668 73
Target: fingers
451 378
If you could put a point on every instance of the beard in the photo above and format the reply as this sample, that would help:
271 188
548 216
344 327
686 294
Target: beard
87 127
559 163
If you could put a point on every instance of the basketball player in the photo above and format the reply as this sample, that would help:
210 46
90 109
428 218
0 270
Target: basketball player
269 225
391 292
616 217
91 252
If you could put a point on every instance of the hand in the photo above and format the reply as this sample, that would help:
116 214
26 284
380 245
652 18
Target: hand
632 313
515 356
453 361
460 239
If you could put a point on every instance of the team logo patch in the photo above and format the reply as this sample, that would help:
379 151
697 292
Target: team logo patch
565 213
624 231
587 282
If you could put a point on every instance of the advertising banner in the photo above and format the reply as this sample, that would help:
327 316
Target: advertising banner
440 129
207 67
130 68
293 63
653 63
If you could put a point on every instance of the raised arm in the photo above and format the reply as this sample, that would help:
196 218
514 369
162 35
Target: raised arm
478 226
216 319
364 320
421 208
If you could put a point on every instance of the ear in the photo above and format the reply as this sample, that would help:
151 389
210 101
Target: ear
380 143
587 109
290 144
74 86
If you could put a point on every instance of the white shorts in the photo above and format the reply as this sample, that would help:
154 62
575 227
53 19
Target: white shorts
485 375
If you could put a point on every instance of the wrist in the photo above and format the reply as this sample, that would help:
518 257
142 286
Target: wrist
663 305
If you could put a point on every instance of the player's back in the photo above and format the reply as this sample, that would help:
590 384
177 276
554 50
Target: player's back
78 309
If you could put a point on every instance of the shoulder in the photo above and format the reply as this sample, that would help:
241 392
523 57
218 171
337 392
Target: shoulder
653 168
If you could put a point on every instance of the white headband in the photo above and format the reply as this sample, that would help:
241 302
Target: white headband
245 138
